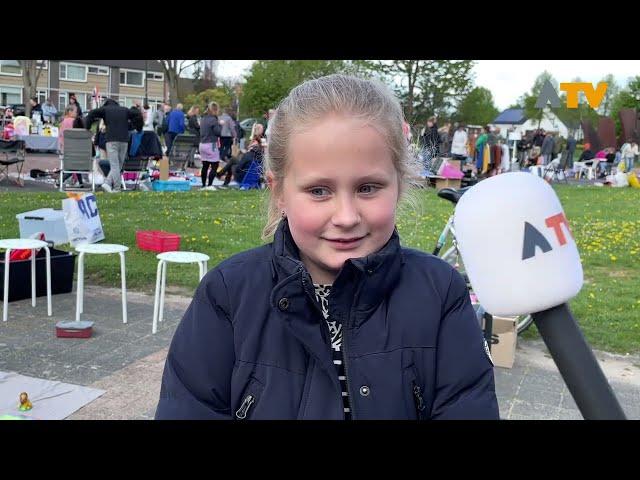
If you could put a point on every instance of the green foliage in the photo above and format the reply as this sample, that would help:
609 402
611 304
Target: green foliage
477 108
269 81
628 97
221 95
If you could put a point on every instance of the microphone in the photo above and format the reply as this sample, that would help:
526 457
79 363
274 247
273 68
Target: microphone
527 244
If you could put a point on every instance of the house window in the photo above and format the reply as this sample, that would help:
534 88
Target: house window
10 95
155 76
95 70
42 97
131 78
74 73
44 64
10 67
84 101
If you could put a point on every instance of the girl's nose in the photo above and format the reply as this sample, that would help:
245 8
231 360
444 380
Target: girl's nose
346 213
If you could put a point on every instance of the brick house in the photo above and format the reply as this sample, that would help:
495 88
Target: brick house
122 80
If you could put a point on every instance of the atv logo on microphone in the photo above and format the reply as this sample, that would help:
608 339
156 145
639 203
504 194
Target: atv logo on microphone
534 238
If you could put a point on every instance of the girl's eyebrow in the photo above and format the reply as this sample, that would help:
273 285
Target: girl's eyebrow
372 177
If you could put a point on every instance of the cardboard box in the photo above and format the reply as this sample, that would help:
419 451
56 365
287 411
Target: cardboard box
455 163
164 168
504 352
442 182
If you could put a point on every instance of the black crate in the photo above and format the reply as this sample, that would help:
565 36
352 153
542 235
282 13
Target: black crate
62 267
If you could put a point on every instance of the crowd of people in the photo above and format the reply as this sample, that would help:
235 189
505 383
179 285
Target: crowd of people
485 153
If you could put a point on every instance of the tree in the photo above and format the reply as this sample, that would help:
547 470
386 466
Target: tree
269 81
425 87
528 100
628 97
220 95
172 71
31 70
612 91
477 107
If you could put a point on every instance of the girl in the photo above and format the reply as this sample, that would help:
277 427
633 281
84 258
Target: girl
209 153
333 319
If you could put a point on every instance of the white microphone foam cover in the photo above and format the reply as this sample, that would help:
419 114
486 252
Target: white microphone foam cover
516 245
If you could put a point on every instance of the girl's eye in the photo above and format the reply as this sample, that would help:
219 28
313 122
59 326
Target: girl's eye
368 189
319 191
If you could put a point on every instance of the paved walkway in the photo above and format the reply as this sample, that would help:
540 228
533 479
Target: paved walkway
127 360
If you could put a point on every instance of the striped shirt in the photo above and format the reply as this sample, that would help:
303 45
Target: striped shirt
335 331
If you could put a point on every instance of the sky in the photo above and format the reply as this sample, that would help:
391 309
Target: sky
509 79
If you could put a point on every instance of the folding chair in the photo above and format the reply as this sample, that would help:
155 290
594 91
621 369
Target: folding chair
251 178
77 157
557 167
18 149
182 152
136 165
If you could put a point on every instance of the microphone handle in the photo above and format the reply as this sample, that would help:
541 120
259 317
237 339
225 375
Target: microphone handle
577 364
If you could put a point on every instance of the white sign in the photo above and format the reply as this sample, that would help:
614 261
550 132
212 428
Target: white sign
82 219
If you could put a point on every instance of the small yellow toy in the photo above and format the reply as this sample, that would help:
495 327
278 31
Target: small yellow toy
25 404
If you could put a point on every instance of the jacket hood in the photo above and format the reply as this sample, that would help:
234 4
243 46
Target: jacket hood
110 101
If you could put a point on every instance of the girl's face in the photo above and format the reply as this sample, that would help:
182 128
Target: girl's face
340 193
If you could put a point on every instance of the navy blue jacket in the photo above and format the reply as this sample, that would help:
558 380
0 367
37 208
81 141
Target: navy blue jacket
253 343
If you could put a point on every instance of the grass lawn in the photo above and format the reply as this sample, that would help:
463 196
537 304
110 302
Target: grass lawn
605 223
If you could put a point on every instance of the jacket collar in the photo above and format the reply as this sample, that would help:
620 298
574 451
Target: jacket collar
361 284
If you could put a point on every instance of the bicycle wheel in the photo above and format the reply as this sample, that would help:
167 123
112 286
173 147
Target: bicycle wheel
523 322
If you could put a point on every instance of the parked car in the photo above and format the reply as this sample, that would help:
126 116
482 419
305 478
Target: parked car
247 125
18 109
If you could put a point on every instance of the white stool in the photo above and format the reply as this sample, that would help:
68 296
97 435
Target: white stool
161 278
25 244
100 249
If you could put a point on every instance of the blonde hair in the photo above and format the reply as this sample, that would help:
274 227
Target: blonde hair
369 100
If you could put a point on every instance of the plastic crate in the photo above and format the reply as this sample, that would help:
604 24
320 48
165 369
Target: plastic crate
157 241
171 186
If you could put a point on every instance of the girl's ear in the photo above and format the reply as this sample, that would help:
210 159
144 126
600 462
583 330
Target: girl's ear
275 188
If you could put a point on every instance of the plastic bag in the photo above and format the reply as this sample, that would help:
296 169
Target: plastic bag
621 180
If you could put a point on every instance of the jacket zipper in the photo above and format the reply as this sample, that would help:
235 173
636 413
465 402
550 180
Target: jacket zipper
241 414
419 401
344 349
346 371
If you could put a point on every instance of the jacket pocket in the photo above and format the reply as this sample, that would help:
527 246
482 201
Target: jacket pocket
414 394
249 399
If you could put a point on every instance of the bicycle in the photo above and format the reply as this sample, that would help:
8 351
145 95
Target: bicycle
452 256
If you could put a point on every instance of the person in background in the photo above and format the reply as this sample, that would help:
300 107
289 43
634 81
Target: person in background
227 135
148 118
444 139
505 161
255 152
193 122
628 154
116 119
480 144
587 155
73 101
209 153
547 148
459 145
175 125
571 148
158 119
270 115
36 108
49 111
164 126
